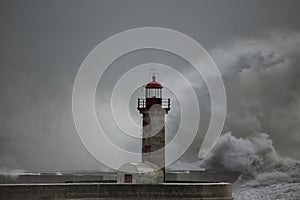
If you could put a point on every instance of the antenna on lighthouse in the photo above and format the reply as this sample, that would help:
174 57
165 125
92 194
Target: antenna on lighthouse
153 73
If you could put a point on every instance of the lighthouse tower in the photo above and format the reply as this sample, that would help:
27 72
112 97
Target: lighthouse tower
153 108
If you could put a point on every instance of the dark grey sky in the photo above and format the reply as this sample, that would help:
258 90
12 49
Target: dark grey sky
44 42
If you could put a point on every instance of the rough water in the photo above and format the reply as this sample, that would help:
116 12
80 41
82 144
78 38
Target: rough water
278 191
281 182
265 175
262 85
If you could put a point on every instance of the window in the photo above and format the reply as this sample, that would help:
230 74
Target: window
147 149
128 178
153 93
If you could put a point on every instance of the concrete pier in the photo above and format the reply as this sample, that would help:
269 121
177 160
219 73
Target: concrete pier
112 191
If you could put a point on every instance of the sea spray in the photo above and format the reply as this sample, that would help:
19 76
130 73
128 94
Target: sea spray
231 153
12 174
264 174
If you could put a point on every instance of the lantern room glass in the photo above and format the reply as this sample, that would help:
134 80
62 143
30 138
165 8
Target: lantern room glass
153 93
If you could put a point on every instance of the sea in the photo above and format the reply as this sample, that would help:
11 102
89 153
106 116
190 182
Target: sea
264 174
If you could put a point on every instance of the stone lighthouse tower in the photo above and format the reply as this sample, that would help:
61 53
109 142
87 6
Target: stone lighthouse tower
153 108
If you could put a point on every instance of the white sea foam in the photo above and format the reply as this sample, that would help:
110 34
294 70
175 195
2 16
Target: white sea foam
264 174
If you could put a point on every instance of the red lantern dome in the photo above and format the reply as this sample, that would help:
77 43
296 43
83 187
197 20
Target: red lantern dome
153 84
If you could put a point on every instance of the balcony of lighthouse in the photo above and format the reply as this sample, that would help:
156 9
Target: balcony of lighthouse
144 104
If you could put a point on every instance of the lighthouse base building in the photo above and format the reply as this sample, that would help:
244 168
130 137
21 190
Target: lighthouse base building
140 173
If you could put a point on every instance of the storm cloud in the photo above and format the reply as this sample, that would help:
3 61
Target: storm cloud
255 45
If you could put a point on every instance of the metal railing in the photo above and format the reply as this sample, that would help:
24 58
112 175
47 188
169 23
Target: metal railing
165 103
141 103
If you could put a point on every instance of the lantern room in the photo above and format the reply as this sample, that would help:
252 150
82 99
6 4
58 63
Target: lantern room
153 89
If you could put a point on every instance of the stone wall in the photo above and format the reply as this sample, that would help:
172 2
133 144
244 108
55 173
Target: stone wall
200 191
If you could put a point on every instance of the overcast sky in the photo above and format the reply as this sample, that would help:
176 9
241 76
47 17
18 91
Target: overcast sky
44 42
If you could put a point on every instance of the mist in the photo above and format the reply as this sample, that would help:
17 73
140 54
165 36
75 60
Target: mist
262 84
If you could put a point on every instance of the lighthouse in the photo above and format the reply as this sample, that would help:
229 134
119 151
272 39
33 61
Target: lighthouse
152 168
153 109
